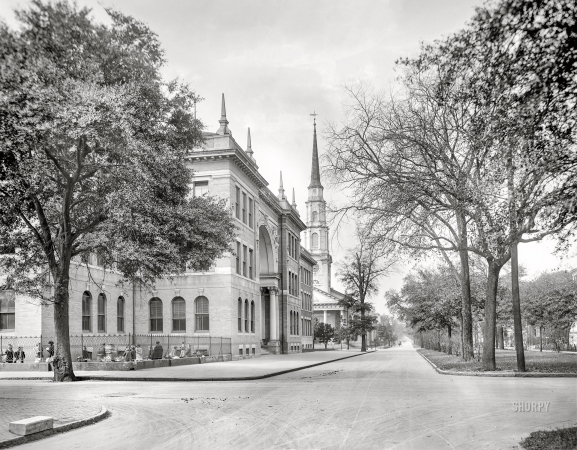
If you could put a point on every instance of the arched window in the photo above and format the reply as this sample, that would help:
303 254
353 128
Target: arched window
178 315
252 317
7 311
101 313
86 312
315 216
120 315
246 312
156 315
240 315
297 324
201 311
315 240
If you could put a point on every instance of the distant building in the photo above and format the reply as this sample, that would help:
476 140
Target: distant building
261 296
326 308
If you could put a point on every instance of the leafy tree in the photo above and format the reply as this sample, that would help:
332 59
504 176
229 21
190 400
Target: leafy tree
359 273
346 333
93 147
324 332
550 302
427 301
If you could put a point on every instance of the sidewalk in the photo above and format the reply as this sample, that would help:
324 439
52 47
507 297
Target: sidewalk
67 416
247 369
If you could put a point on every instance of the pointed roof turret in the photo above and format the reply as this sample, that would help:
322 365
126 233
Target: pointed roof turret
315 172
249 151
294 203
281 195
223 121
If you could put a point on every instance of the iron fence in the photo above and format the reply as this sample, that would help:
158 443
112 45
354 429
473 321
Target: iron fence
120 347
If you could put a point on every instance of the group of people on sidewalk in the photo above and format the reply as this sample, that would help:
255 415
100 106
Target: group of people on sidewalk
17 356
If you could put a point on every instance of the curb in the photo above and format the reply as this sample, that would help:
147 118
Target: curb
257 377
103 414
497 374
157 379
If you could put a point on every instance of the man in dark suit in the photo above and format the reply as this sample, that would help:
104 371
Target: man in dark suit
157 352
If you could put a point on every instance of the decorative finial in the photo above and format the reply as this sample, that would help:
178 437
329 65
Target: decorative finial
281 195
314 114
249 151
223 121
294 203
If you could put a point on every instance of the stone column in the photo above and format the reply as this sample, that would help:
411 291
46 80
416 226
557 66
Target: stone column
325 316
274 343
273 315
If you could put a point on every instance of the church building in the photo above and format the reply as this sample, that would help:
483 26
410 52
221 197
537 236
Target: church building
316 239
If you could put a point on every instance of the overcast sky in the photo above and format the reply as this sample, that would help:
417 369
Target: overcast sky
278 61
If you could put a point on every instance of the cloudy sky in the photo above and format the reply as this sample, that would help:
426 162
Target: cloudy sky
278 61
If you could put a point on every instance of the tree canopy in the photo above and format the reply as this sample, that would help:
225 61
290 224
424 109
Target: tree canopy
93 157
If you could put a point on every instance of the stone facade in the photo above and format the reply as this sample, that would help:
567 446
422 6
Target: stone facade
257 296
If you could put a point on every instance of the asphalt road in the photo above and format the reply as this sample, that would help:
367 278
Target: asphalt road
391 399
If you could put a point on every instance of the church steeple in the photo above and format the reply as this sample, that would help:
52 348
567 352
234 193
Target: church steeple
317 232
315 172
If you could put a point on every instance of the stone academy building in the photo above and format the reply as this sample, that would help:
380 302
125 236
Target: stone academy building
261 297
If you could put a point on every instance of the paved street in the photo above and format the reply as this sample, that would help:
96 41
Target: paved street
388 399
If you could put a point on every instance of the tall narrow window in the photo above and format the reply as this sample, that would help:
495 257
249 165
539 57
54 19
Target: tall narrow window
101 313
252 317
120 315
7 311
200 188
244 258
250 206
315 240
86 312
250 262
315 216
243 208
297 323
238 258
246 313
237 205
156 321
240 315
201 308
178 315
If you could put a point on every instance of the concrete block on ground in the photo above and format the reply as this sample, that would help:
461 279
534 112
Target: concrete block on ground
31 425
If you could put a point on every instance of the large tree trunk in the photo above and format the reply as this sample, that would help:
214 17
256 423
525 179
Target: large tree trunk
490 317
540 338
364 334
500 338
449 348
516 299
467 328
62 363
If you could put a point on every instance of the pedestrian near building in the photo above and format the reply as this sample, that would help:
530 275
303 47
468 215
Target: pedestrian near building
157 352
19 355
9 354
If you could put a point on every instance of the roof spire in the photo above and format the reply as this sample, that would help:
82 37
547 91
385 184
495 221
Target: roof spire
281 195
249 151
223 121
294 203
315 172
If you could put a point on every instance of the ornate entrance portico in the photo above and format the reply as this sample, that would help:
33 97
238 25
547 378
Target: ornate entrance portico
270 313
